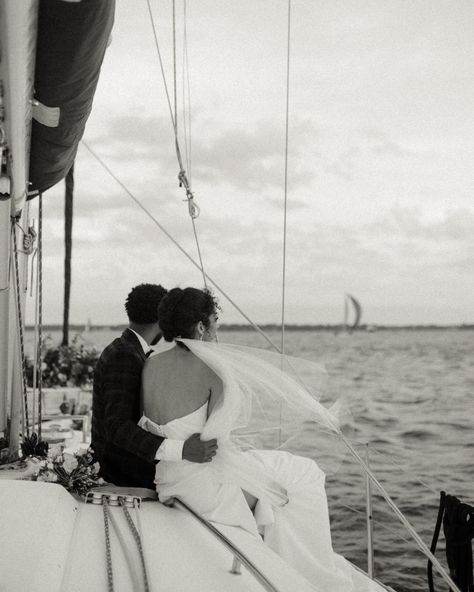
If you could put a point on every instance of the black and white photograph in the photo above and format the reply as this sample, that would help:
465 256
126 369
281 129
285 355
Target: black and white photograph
236 295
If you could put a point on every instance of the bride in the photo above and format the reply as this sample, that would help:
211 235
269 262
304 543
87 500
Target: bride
245 399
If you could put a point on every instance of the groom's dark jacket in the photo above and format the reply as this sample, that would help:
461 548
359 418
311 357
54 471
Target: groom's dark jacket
126 453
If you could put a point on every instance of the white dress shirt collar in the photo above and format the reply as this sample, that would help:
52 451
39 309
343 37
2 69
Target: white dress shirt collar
146 348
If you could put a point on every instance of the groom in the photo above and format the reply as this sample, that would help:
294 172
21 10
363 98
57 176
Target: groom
126 453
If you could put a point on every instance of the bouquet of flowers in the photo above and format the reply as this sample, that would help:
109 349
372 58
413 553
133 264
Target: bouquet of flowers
77 472
65 365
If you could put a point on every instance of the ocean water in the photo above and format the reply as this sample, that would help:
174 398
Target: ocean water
411 394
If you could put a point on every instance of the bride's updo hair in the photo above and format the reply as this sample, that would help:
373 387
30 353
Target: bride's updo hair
182 309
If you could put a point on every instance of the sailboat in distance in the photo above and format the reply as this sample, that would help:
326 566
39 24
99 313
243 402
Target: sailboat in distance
352 308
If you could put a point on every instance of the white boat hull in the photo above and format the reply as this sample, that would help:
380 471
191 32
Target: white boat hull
52 541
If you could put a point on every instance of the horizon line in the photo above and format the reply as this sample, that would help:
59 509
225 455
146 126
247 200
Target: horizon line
269 326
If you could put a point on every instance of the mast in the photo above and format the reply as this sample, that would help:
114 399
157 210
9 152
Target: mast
18 25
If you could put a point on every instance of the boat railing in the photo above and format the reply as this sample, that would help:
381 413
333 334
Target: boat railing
372 480
239 556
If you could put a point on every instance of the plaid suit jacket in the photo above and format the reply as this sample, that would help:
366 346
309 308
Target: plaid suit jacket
126 453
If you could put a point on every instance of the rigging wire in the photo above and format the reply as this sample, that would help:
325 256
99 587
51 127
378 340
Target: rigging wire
285 206
186 89
177 244
174 72
193 209
377 522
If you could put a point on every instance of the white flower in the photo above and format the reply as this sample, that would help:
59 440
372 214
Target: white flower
55 450
33 467
70 462
48 477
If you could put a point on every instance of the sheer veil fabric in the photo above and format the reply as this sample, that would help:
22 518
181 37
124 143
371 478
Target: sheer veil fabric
268 409
272 401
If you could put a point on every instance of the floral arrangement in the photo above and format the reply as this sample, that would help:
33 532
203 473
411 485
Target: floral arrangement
65 365
77 472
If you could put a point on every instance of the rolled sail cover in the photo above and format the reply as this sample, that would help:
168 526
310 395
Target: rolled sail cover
72 39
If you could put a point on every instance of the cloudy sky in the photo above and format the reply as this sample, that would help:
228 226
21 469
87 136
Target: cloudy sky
380 167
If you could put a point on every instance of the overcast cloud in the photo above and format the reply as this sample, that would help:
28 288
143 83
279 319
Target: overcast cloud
380 168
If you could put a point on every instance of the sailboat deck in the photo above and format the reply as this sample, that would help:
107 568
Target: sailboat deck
62 544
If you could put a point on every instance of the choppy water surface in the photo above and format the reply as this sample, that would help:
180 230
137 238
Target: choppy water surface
412 397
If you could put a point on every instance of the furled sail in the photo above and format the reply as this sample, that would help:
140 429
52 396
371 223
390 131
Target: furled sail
72 39
351 303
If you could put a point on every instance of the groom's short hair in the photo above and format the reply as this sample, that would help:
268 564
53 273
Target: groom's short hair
142 303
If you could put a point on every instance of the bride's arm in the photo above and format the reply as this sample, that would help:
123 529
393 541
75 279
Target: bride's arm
215 396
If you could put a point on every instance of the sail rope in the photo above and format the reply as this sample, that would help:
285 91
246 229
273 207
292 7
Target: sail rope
39 283
37 261
108 548
125 548
178 245
110 523
138 540
34 261
193 208
21 340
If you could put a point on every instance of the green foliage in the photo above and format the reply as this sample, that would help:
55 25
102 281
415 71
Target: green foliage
77 472
33 446
65 365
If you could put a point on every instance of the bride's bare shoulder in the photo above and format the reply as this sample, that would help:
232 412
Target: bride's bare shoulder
175 359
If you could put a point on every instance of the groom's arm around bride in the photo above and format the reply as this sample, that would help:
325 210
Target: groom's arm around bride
126 453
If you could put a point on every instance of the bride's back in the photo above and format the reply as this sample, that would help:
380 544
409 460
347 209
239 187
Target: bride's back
175 383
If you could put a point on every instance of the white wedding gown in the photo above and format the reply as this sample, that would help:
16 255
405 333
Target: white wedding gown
297 528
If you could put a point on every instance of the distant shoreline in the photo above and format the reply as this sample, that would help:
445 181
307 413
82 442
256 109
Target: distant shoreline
274 327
